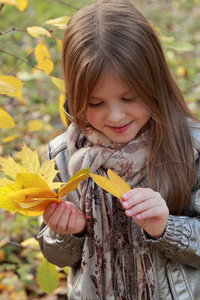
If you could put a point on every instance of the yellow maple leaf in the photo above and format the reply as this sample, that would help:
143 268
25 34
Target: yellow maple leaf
115 185
29 190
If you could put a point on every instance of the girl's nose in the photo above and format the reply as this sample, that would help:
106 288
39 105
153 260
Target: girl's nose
115 113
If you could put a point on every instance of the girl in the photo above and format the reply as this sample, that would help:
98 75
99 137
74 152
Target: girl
126 113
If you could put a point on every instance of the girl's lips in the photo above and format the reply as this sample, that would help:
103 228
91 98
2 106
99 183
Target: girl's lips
121 129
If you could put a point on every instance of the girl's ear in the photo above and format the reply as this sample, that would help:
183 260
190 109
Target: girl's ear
66 110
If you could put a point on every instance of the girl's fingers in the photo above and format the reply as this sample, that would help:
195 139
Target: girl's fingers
54 218
63 221
141 207
64 218
49 210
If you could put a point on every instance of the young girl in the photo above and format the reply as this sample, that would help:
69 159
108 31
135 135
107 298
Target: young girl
125 113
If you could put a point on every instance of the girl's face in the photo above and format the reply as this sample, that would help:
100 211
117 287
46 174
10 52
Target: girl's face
114 110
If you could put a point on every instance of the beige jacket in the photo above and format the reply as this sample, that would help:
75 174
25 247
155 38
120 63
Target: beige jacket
176 255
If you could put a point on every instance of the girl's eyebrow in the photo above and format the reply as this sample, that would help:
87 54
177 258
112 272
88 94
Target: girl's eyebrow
99 98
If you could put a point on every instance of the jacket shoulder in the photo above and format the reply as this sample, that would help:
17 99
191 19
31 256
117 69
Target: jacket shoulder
57 150
194 127
57 145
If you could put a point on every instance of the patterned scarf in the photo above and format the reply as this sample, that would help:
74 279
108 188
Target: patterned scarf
116 260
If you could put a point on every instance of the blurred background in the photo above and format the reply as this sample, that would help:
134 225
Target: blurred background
37 116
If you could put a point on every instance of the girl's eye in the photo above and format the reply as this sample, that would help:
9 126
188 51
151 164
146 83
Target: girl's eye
129 99
95 104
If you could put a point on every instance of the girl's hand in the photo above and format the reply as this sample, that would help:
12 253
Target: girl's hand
64 217
148 209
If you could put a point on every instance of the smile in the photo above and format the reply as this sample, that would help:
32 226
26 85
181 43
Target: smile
120 129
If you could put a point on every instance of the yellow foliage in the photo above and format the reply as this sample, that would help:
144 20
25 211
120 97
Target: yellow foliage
6 121
115 185
20 4
9 2
6 88
15 82
38 32
59 83
44 58
62 113
31 242
60 22
35 125
11 86
180 71
119 184
9 138
59 44
29 190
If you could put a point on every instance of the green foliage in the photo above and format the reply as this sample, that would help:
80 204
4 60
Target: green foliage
47 276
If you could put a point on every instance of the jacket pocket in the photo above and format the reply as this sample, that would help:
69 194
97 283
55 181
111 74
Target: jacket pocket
178 282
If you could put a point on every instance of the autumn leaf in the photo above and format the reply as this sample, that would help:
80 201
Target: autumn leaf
62 113
44 58
6 121
59 83
9 2
8 139
11 86
59 44
37 31
29 187
60 22
73 182
35 125
115 185
119 184
48 271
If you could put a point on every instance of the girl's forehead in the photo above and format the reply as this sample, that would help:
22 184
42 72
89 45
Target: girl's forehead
107 77
109 84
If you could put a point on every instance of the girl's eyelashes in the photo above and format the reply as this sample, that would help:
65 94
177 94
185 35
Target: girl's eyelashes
95 104
129 99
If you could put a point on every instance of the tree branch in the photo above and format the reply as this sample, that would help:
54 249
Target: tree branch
19 245
1 6
21 60
64 3
12 29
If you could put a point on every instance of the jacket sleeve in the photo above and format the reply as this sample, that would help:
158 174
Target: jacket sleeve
58 249
181 240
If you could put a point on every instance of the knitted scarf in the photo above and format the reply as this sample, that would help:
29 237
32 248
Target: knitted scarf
116 259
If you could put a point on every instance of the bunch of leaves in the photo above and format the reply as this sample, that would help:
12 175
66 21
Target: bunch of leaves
28 190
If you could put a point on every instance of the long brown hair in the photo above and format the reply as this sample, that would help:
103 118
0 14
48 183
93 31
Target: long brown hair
114 35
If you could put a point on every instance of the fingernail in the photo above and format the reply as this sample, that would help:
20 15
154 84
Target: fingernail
124 197
125 204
